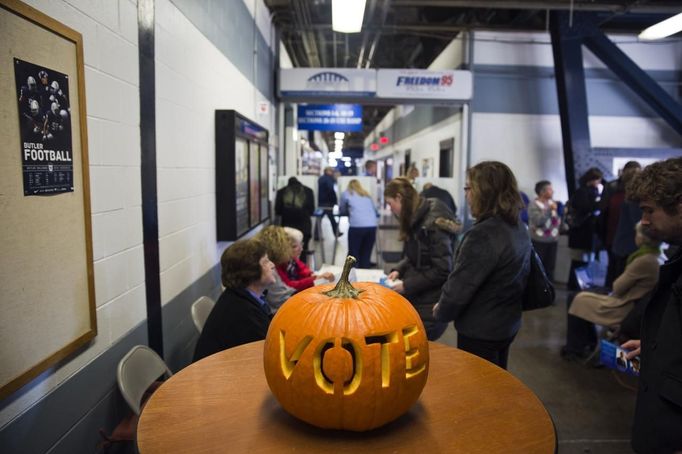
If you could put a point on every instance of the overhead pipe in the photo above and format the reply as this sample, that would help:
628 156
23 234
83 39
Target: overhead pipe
382 21
615 6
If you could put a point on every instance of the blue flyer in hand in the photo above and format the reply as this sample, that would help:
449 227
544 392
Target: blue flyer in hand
612 356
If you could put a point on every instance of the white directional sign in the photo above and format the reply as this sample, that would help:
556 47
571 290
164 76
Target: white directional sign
449 85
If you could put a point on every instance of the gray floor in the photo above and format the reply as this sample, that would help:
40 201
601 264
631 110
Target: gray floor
591 408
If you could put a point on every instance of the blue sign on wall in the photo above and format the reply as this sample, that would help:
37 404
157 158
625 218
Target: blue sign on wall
330 117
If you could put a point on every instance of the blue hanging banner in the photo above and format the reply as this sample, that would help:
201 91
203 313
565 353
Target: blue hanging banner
330 117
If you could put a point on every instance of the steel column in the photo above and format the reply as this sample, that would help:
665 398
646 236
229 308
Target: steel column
571 92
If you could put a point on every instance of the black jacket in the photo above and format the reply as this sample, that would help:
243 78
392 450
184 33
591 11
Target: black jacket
584 206
427 257
326 195
658 414
237 318
483 293
434 192
295 203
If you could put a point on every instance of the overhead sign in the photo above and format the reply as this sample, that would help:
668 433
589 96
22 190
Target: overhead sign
327 82
330 117
449 85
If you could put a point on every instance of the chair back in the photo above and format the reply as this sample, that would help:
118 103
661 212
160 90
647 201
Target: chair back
137 370
200 310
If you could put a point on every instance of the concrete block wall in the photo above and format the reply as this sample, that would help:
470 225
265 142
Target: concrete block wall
109 30
195 74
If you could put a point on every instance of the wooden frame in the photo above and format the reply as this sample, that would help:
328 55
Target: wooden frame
47 291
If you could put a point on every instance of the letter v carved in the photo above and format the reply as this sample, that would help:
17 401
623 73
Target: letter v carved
288 364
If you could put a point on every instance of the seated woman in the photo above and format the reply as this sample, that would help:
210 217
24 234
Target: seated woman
638 279
240 315
278 247
295 273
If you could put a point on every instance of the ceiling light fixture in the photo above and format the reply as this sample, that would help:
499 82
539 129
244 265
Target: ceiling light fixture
347 15
663 29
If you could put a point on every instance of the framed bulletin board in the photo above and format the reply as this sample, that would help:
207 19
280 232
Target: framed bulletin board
242 176
47 297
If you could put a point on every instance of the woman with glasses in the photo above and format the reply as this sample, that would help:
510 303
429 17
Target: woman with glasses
240 315
484 291
427 229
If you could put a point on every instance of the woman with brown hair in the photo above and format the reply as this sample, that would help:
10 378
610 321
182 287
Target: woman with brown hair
484 291
240 315
426 230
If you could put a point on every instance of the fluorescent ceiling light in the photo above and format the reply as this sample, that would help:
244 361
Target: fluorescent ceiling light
665 28
339 135
347 15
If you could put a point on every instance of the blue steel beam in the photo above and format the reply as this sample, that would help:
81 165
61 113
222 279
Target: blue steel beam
571 91
635 78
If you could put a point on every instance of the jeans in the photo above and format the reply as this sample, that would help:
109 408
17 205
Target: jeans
360 244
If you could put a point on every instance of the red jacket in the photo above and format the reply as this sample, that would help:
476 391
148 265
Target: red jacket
303 276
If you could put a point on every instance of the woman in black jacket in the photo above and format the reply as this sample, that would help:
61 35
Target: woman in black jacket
241 315
484 291
427 228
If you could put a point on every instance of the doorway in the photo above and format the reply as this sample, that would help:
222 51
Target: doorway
447 150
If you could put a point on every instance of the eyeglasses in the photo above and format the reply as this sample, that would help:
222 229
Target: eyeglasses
467 188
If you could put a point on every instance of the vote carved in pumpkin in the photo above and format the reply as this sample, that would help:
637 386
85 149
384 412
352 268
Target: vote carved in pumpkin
351 358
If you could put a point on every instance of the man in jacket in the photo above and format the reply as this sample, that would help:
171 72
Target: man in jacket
326 196
295 203
658 415
612 199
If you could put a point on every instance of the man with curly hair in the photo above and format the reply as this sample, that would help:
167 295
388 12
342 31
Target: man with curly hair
658 416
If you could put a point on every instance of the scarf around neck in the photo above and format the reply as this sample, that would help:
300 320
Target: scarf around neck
643 250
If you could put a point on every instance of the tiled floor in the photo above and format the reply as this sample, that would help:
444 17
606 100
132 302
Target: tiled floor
591 408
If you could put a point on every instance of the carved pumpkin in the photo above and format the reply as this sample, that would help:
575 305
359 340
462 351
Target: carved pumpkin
351 358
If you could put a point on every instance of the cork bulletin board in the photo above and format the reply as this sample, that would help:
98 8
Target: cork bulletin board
47 299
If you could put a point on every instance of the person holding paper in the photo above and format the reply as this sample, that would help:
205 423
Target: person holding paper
637 281
657 426
425 229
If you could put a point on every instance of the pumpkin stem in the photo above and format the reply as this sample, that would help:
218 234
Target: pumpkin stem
343 288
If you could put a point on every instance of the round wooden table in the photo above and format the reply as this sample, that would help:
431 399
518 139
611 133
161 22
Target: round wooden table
223 404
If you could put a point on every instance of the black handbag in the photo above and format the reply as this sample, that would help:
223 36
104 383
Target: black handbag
539 291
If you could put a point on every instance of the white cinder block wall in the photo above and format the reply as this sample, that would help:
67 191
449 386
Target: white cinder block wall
193 79
109 29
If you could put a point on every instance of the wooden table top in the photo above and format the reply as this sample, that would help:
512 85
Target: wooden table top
223 404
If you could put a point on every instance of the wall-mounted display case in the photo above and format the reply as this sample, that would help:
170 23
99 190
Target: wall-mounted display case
241 177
